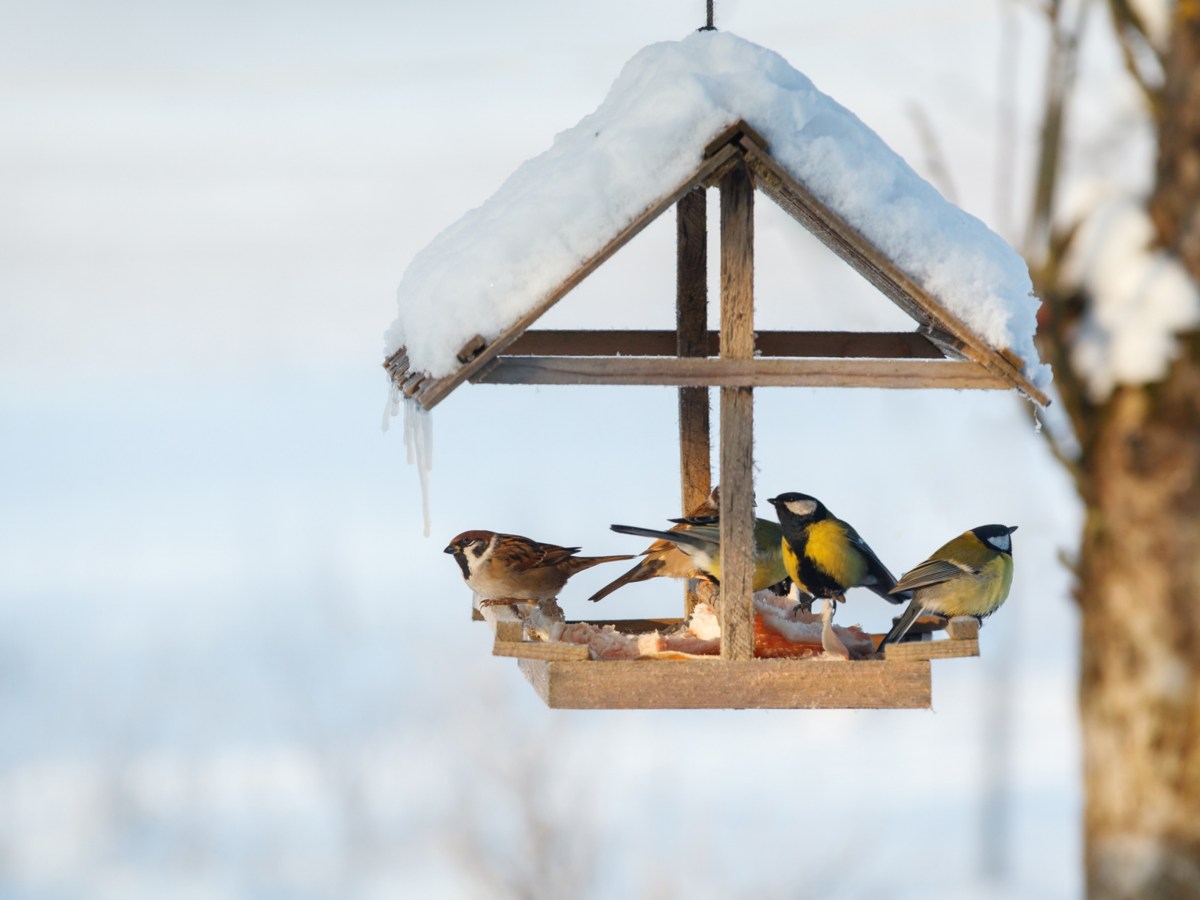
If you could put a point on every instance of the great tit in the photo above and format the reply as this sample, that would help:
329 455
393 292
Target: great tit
970 576
824 555
702 542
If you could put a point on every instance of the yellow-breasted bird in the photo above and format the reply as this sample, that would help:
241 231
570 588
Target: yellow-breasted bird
702 542
969 576
824 555
663 559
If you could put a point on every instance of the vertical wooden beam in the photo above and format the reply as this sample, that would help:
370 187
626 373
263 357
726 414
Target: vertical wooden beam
737 416
691 324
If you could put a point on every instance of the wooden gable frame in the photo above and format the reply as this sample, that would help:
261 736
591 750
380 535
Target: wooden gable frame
943 352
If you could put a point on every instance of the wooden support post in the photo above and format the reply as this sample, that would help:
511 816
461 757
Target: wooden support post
737 416
691 325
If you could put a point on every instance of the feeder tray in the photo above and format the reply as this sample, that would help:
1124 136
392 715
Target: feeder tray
566 676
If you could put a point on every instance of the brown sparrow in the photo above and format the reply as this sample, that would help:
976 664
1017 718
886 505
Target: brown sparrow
508 568
662 559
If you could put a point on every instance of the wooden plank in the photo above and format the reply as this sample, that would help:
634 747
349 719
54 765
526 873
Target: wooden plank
631 626
736 607
731 684
397 359
506 624
737 264
874 373
963 628
844 240
937 649
412 383
433 391
691 340
471 349
738 133
826 344
540 650
397 366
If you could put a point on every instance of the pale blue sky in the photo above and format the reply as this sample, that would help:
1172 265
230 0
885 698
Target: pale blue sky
204 212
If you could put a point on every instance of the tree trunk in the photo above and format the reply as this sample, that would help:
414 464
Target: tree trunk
1140 590
1140 570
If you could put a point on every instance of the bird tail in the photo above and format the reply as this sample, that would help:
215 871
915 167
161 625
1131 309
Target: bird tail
898 597
643 571
902 625
579 563
675 537
697 520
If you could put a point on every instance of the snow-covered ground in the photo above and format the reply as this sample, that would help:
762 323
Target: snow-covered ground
230 663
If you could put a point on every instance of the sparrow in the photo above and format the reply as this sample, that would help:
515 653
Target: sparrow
825 556
663 559
701 540
969 576
509 568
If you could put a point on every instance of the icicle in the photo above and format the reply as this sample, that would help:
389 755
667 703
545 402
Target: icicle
1037 420
393 404
418 440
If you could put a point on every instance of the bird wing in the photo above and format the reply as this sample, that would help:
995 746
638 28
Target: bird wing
930 572
878 575
769 567
522 554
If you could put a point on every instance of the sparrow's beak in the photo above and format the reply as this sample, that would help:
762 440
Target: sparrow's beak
450 549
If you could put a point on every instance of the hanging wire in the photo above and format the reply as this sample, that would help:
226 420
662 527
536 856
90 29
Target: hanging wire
710 26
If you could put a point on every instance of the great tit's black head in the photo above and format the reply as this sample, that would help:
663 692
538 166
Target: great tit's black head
996 536
802 506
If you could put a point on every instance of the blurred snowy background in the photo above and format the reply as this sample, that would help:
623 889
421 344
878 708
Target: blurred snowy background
230 664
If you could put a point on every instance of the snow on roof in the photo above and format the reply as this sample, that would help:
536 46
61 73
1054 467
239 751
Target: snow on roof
649 134
1141 296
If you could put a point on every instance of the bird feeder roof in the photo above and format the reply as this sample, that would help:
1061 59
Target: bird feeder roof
494 271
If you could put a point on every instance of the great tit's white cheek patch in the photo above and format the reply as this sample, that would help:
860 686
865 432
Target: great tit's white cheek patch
801 507
1001 542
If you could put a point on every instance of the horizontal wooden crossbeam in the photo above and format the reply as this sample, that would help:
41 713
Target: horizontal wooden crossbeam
831 344
878 373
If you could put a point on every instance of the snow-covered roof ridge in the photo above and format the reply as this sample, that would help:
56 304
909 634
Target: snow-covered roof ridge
556 211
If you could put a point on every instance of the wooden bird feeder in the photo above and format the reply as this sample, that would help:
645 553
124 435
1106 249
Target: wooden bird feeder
942 352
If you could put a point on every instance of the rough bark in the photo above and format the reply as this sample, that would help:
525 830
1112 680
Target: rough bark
1139 574
1140 592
